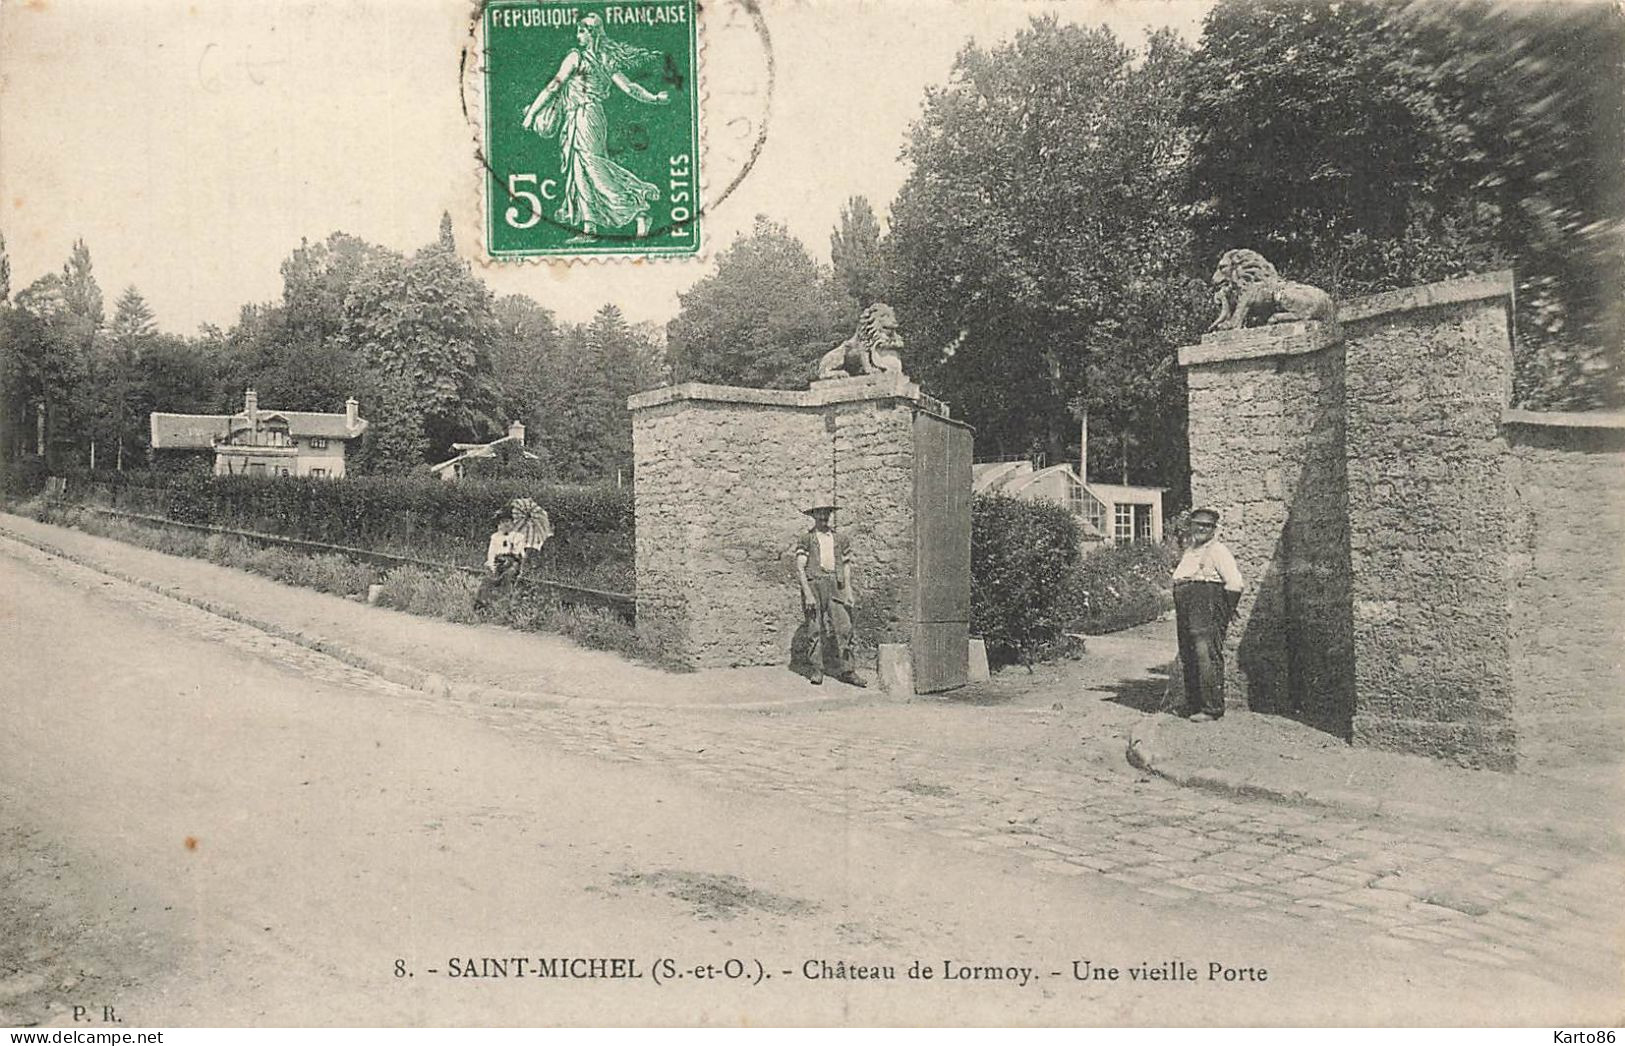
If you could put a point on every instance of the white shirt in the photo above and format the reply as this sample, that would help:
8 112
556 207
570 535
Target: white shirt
826 548
1210 562
503 543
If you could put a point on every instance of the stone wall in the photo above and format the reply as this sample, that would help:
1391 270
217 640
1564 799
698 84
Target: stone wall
1568 587
1428 373
723 475
720 489
1428 572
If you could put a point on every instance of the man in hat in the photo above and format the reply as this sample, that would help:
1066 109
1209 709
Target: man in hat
1207 590
824 568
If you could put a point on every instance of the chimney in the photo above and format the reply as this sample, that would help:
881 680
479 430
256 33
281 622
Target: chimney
352 412
516 432
251 404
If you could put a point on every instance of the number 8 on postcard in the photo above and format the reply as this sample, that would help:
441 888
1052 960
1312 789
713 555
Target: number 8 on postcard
591 129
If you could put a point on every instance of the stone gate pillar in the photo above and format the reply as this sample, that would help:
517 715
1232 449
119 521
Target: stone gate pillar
1266 450
722 476
1430 507
1364 483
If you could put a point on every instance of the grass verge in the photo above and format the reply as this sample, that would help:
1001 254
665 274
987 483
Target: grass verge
448 594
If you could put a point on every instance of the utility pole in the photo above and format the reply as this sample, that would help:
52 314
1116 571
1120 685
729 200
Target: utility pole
1083 447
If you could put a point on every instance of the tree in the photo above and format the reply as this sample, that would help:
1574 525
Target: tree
1042 259
51 353
855 253
179 376
652 364
394 441
427 323
761 319
5 272
1365 146
316 283
1532 92
118 422
81 295
447 241
584 425
1313 146
525 347
132 318
25 371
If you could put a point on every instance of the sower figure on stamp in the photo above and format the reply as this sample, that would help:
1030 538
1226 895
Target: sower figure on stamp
824 569
598 192
1207 590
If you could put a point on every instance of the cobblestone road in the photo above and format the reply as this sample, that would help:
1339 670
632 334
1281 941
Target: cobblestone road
1404 890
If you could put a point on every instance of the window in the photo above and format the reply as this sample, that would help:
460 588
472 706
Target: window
1142 523
318 443
1086 506
318 472
256 468
1123 523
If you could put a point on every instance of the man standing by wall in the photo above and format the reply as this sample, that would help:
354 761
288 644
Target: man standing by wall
1207 590
824 569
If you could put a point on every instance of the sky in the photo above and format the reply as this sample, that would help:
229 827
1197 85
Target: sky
194 145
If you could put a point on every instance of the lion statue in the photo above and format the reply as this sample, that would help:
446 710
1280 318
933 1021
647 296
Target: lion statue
871 349
1250 292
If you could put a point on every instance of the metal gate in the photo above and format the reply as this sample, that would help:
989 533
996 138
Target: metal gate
942 491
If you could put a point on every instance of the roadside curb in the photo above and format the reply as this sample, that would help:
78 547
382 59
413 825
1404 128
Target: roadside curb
402 673
1146 754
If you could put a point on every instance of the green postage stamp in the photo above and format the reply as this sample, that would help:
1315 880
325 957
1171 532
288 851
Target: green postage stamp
592 135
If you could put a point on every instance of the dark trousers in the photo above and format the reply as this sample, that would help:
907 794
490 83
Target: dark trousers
507 571
1202 614
829 628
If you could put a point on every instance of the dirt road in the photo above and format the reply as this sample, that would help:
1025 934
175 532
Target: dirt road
203 827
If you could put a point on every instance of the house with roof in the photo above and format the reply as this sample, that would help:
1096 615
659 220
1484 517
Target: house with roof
258 441
1110 513
455 467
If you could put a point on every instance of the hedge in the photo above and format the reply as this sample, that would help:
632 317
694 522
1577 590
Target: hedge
1030 584
417 514
1024 558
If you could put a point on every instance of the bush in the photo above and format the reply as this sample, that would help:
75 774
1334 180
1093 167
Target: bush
510 462
429 593
1024 559
23 476
1121 586
595 628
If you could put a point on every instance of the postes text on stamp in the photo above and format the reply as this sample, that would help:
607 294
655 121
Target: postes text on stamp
592 134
